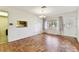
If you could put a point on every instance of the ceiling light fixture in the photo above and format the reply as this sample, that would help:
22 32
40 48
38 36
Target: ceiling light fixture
42 16
43 7
43 11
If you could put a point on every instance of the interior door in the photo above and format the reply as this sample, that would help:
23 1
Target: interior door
3 29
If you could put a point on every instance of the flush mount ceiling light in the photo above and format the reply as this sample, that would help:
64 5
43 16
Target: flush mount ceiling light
2 13
43 11
43 7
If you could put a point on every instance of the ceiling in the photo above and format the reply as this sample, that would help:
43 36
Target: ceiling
49 10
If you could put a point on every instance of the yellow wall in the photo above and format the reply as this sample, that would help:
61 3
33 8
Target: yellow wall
3 27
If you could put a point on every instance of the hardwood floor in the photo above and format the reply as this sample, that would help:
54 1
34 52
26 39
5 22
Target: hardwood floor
42 43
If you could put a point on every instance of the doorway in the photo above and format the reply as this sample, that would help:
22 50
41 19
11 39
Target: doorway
3 27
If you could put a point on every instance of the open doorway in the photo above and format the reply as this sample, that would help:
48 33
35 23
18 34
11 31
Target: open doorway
3 27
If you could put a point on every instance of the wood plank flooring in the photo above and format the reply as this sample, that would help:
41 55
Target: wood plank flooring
42 43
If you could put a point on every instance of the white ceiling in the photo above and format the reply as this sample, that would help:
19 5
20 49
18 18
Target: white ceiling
50 10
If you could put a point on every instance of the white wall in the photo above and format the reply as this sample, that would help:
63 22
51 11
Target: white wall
68 17
78 24
34 24
70 24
